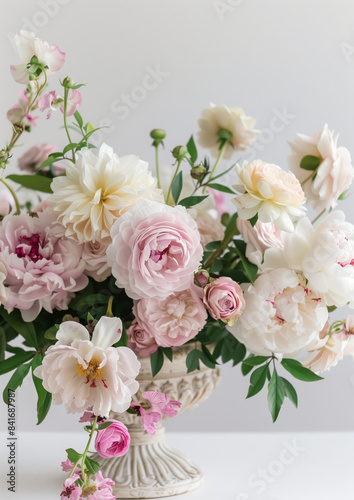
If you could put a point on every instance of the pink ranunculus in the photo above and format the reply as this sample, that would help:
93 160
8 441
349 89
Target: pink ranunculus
224 300
33 158
140 341
43 268
113 441
28 45
19 115
156 405
70 490
155 250
259 238
52 101
172 321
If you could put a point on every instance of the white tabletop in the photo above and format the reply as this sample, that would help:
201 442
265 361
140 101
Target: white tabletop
274 466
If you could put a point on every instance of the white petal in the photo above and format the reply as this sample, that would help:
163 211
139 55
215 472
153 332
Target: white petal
70 331
107 332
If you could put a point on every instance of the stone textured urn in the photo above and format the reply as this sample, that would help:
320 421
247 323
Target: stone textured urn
151 469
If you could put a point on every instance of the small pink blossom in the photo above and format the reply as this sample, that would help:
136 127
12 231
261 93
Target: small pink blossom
33 158
18 114
141 341
52 101
70 490
224 300
89 416
157 405
113 441
103 489
67 466
220 201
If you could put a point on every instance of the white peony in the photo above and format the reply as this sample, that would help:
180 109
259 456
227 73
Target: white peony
97 190
80 372
259 238
267 190
325 256
234 120
281 316
334 174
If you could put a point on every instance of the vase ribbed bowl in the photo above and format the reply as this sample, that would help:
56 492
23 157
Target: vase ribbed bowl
151 468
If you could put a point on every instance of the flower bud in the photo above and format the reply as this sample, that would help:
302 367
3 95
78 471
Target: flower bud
89 127
157 134
68 83
201 278
18 128
4 156
224 134
225 219
180 152
198 171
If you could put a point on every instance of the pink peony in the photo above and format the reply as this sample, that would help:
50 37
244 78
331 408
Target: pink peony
140 341
172 321
19 115
52 101
80 372
157 405
155 250
113 441
28 46
70 490
43 268
224 300
95 257
33 158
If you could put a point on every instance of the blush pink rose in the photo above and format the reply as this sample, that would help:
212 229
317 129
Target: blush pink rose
172 321
140 341
155 250
113 441
224 300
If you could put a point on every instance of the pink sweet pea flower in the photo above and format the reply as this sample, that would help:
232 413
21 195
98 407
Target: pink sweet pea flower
113 441
52 101
49 56
159 404
67 466
18 113
70 490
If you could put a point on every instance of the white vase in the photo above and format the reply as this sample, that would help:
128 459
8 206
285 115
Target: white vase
151 469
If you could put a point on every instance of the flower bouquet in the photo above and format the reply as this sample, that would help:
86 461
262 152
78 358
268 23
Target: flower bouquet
104 266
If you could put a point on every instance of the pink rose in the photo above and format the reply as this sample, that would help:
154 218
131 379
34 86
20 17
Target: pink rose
172 321
224 300
113 441
140 341
155 250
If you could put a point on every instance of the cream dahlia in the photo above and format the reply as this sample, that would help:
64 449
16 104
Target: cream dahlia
235 120
267 190
81 372
334 173
97 190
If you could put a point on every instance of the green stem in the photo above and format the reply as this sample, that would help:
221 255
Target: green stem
319 216
86 450
18 208
218 160
66 94
219 251
157 166
109 311
309 177
173 178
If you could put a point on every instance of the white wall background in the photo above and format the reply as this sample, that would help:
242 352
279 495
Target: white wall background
293 58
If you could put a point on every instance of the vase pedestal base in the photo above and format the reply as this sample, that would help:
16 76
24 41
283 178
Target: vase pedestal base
151 468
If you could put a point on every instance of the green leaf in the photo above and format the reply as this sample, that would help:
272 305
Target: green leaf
168 352
209 356
192 150
258 379
213 245
16 380
14 361
300 372
310 162
250 269
221 187
344 195
231 226
92 465
79 119
2 344
156 360
50 160
35 182
256 360
44 398
216 266
276 395
104 426
290 391
73 455
23 328
177 185
236 275
70 147
253 220
51 333
192 360
190 201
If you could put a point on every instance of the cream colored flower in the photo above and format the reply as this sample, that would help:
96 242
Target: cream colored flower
97 190
334 174
267 190
210 229
234 120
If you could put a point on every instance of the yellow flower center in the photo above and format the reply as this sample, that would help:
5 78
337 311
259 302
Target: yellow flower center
88 490
92 372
